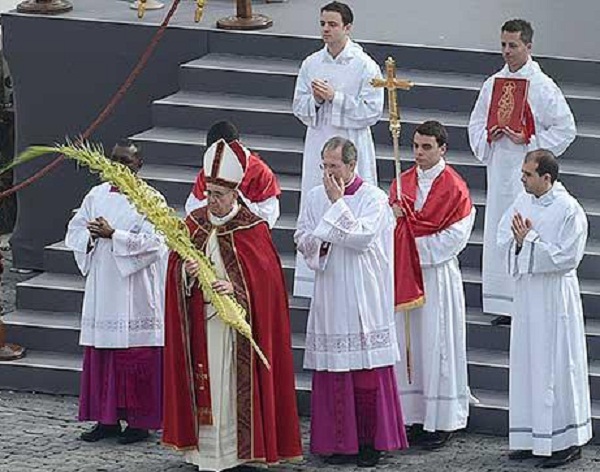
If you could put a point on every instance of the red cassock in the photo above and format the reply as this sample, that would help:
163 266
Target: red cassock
268 428
447 203
259 182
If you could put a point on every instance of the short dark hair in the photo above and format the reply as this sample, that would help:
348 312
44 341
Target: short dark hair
222 130
546 163
349 153
519 26
344 10
128 147
435 129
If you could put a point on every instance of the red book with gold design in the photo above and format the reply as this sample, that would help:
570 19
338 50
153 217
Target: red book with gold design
508 104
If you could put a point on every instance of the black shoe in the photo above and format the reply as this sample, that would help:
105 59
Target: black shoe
340 459
435 440
415 434
133 435
101 431
561 458
520 455
502 320
368 457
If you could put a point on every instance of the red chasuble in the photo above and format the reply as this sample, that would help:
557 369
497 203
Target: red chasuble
268 428
448 202
259 182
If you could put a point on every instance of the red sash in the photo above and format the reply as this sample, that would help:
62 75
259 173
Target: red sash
448 202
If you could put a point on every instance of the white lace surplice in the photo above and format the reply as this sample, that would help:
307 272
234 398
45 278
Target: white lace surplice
351 322
123 305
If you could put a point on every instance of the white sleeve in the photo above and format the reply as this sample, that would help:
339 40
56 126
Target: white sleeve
307 243
478 123
447 244
339 225
267 210
541 257
137 249
361 110
555 125
506 242
192 203
305 106
78 237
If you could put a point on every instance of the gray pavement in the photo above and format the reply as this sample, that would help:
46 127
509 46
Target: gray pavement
40 433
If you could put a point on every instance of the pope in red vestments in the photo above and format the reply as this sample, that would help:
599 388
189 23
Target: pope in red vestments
259 189
222 404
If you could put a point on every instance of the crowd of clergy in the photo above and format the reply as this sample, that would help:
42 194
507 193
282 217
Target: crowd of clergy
386 330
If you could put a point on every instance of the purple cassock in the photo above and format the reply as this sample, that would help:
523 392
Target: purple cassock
122 384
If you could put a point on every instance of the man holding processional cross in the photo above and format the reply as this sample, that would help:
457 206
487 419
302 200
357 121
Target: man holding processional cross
435 217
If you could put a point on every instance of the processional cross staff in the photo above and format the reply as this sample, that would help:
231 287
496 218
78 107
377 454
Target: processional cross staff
391 83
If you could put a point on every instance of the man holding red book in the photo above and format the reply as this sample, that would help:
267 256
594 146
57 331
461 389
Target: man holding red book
434 220
518 109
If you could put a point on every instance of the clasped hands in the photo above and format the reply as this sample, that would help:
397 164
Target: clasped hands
520 227
322 91
496 133
222 287
100 228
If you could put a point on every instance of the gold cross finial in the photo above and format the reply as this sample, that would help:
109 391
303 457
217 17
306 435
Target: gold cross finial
391 84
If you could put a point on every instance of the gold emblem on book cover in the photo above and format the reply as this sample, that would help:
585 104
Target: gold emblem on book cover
506 104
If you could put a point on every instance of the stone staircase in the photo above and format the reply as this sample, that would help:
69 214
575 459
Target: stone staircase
255 92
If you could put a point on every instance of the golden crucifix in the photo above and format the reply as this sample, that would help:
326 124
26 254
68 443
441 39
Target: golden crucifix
391 84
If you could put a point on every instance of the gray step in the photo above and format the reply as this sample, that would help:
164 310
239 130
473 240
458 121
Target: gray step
488 369
51 292
590 289
41 330
185 147
273 116
481 334
175 182
462 61
490 416
43 371
276 77
59 374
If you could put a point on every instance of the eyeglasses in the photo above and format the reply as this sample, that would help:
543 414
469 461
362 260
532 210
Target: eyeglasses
325 166
216 194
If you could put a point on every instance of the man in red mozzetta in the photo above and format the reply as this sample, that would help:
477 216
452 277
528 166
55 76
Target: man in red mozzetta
435 218
259 189
221 404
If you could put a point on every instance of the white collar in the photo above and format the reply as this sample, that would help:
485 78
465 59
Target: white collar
549 196
433 173
221 220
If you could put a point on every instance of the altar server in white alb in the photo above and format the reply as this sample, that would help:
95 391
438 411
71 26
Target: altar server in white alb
542 237
333 97
345 233
435 219
550 125
122 323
